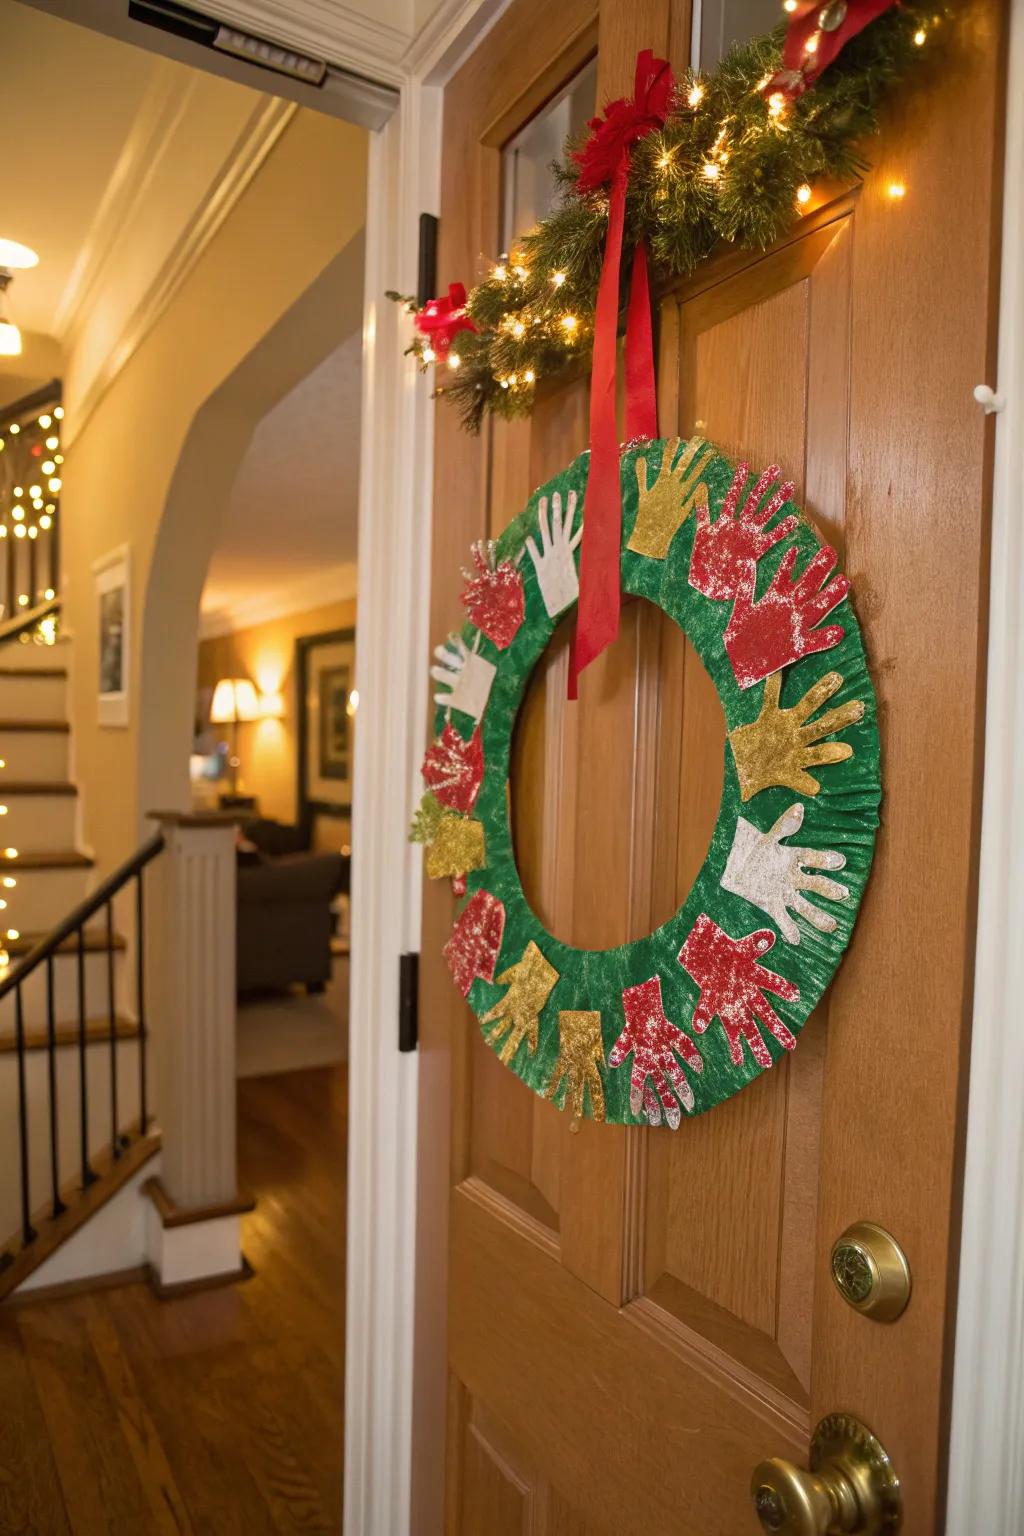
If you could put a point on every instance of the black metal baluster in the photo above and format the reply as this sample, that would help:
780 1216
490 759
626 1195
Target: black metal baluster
11 596
27 1230
88 1176
140 1001
33 590
54 538
51 1067
115 1139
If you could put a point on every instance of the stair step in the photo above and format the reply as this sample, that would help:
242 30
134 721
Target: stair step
32 695
37 787
23 724
18 1261
95 939
97 1032
36 755
49 858
32 671
35 820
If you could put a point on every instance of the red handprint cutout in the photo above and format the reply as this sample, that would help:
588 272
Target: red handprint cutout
732 986
472 950
454 769
493 597
764 636
722 549
654 1040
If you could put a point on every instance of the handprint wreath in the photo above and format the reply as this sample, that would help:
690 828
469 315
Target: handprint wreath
672 1024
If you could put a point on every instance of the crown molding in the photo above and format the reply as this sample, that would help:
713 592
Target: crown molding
339 34
158 118
267 122
332 585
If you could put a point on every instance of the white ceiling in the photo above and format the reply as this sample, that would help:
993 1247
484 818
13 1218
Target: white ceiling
292 513
67 106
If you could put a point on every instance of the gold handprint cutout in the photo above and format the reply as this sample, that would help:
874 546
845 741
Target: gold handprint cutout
580 1058
457 847
665 506
517 1016
779 746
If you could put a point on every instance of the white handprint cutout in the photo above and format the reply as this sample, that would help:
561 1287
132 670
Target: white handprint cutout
774 878
465 678
553 562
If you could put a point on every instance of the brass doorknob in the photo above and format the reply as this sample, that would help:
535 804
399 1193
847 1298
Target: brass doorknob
851 1487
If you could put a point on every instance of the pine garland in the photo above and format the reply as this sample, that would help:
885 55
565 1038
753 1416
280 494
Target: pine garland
729 164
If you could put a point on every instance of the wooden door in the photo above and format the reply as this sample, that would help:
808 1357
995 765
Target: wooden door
615 1325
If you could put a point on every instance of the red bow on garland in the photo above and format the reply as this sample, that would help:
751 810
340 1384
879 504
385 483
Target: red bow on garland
603 159
441 320
816 34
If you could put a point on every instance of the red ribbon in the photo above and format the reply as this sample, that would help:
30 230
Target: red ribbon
605 158
827 25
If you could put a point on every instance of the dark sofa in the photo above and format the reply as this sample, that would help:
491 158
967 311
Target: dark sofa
284 909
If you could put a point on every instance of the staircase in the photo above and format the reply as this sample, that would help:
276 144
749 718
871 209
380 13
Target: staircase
73 1114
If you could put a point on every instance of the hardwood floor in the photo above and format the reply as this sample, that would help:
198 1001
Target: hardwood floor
214 1413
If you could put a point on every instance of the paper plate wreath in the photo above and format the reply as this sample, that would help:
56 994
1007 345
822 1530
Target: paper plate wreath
686 1017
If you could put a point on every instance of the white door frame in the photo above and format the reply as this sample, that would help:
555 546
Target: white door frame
395 510
986 1468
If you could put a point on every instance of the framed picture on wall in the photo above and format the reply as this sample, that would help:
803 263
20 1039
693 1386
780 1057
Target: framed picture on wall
325 670
112 575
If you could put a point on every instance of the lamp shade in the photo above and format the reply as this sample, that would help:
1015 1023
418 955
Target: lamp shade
234 699
10 339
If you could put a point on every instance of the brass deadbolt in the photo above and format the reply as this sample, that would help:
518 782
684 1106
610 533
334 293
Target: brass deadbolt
851 1487
871 1271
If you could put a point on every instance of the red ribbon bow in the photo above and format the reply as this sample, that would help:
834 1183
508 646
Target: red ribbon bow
826 27
441 320
603 159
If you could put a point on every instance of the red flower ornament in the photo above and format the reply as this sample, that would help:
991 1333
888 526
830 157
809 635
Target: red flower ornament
440 320
624 121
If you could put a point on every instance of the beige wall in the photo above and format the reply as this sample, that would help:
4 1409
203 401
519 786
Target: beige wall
266 653
152 465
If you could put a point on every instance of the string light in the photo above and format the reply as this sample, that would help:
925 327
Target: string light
529 375
33 532
896 190
803 193
710 170
428 355
919 37
10 853
59 413
48 468
500 273
19 530
45 521
53 442
811 45
696 95
518 328
9 881
520 272
558 278
776 104
44 422
3 530
569 323
664 161
17 512
55 484
49 595
453 362
14 429
14 933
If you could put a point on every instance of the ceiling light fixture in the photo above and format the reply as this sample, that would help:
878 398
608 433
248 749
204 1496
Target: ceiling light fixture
17 257
10 336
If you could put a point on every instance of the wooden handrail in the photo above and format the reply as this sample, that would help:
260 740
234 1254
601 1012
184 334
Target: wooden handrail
27 619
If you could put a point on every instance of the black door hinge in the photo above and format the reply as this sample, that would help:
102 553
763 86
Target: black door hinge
408 1001
426 283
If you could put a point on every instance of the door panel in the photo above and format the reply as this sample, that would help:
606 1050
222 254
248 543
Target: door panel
632 1319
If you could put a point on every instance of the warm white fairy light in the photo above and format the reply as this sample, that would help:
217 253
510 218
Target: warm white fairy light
55 484
10 853
896 190
520 272
776 104
14 429
453 362
52 442
790 5
710 170
19 531
44 422
500 273
14 933
558 278
696 95
803 193
59 413
518 328
33 532
46 520
569 324
919 37
9 881
48 467
811 45
49 595
529 376
665 160
428 354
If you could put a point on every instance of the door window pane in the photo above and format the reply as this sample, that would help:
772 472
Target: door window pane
528 186
717 24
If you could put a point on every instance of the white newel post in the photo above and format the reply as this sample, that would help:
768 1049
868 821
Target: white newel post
194 1216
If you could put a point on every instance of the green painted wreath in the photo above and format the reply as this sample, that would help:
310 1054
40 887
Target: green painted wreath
684 1018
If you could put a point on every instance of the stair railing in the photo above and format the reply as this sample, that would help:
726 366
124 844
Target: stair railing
70 933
